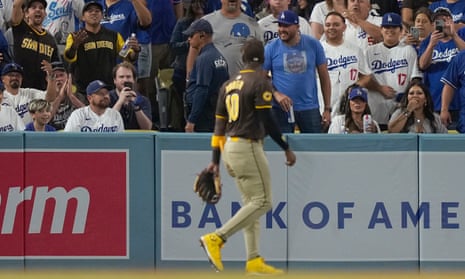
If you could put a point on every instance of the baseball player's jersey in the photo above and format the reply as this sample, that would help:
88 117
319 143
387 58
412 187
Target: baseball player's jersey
345 63
20 102
85 120
394 67
270 28
239 98
230 34
10 120
455 77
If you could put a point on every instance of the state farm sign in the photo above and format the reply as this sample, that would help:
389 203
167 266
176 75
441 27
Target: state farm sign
64 204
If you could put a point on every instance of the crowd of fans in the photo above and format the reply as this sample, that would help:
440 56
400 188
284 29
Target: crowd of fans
96 66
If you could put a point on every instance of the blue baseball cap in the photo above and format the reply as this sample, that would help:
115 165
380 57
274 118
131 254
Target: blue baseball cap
199 25
12 67
287 17
391 20
95 86
358 92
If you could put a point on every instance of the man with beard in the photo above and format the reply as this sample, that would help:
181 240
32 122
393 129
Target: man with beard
65 102
32 44
293 60
97 116
19 98
231 28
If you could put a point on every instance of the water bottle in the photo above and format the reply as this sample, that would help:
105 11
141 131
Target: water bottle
126 49
367 121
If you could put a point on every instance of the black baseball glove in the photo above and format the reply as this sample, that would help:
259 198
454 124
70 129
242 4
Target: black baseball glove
208 186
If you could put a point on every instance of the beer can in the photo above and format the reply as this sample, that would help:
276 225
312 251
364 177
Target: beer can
290 115
367 121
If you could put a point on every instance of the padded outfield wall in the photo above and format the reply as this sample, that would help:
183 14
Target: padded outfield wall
126 201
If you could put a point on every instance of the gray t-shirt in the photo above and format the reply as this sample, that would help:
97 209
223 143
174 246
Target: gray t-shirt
229 34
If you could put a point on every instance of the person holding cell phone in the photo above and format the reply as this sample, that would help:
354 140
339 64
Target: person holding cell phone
435 54
421 28
135 109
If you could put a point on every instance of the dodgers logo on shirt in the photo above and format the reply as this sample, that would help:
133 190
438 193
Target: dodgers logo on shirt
240 30
295 62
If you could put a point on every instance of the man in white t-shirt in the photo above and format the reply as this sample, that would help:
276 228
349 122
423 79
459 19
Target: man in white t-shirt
269 25
97 116
18 98
346 63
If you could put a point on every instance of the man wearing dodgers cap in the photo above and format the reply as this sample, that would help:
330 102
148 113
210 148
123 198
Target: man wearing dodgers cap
393 65
97 116
293 60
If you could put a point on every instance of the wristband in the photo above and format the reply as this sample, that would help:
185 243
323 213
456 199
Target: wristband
218 141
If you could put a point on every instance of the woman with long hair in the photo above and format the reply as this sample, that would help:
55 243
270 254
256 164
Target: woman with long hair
354 107
416 113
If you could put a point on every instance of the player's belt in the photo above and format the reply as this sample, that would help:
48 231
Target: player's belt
236 139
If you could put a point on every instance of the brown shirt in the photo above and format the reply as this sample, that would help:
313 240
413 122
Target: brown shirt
239 99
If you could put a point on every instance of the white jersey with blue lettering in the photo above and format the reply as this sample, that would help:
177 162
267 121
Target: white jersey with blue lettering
270 28
20 102
345 62
85 120
356 35
394 67
10 120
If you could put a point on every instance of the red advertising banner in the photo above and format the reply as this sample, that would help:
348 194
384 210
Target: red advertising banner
68 204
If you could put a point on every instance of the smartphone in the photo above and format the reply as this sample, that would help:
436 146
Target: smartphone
415 32
439 25
128 84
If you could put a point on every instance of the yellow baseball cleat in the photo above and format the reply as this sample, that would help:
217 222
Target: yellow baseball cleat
258 266
212 245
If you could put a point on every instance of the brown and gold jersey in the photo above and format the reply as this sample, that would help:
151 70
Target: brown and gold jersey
239 99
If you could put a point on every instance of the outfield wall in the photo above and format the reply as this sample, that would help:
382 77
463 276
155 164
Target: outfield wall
126 201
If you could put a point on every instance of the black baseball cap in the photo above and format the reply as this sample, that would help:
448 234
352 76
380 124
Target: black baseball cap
92 3
58 66
29 3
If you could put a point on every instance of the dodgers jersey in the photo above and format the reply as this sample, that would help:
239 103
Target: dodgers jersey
443 53
455 77
356 35
10 120
394 67
20 102
270 28
345 63
85 120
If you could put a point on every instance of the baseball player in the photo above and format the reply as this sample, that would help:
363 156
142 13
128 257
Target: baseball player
393 65
243 118
97 116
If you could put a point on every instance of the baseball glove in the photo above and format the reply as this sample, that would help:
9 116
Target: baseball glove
208 186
